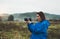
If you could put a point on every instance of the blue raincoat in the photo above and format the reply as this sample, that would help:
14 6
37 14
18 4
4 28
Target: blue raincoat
39 29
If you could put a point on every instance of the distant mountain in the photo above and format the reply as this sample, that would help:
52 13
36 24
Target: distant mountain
33 16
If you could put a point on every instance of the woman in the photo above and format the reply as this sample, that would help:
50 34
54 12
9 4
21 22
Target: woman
39 29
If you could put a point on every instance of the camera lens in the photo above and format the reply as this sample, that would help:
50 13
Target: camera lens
30 19
25 19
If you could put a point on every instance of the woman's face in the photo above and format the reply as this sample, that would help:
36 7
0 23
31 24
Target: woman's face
38 17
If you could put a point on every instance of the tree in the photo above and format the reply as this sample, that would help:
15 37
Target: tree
0 18
11 18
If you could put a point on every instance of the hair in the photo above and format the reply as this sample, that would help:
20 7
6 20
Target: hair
41 14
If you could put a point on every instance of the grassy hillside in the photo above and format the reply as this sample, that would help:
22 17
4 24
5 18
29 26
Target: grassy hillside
19 30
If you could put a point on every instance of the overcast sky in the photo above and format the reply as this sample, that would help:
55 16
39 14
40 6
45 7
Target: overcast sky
21 6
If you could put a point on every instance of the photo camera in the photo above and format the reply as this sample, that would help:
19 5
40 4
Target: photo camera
26 19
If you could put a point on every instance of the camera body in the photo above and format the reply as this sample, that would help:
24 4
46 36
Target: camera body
27 19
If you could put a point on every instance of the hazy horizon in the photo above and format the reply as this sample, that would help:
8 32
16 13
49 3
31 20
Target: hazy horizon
24 13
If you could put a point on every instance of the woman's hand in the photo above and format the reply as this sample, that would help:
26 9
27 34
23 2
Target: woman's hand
28 22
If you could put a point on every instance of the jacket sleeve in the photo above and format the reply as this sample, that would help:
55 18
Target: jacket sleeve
35 28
